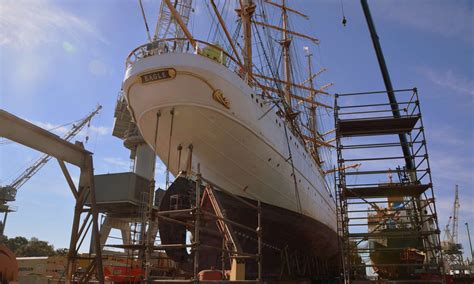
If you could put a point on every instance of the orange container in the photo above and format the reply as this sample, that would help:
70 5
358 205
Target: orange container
210 274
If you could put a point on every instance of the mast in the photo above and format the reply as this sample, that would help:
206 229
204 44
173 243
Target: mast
285 43
247 8
312 109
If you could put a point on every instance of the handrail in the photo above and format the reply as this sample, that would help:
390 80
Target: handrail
156 43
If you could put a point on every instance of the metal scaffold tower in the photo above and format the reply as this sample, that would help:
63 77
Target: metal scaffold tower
387 216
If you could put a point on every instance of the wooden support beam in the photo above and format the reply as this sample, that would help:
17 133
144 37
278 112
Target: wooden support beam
286 8
318 142
226 31
311 101
327 86
316 91
296 97
314 76
30 135
69 180
314 40
328 132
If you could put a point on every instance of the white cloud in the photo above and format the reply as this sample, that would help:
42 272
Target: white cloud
27 24
449 19
117 162
449 80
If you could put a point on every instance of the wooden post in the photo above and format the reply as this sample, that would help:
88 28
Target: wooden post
285 42
247 8
95 220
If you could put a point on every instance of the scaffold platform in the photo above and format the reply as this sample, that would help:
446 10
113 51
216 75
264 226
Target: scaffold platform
387 216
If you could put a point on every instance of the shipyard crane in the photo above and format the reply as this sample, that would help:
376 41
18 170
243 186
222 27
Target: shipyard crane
451 229
454 229
8 192
451 248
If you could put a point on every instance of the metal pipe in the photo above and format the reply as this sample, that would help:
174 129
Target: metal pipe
259 235
197 222
2 229
470 242
386 79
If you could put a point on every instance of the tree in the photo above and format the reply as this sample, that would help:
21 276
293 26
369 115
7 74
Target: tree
20 246
16 243
36 247
62 251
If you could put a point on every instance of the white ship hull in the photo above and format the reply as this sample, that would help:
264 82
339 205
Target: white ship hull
241 148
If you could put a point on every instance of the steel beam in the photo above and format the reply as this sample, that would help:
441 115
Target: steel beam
28 134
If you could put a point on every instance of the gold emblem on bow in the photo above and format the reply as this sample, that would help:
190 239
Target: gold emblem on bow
218 96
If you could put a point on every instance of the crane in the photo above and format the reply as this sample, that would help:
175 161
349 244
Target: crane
454 229
452 250
8 192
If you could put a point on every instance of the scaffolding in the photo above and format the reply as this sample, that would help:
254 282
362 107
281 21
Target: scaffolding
387 217
205 206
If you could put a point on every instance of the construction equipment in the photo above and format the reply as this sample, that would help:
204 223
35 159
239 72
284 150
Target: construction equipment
452 249
30 135
8 192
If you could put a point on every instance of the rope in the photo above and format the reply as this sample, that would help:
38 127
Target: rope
144 19
298 201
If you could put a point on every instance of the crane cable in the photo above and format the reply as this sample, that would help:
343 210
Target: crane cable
344 20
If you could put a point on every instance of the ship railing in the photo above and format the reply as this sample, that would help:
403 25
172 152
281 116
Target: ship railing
203 48
182 45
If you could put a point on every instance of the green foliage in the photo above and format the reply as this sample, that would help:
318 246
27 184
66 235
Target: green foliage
23 247
62 251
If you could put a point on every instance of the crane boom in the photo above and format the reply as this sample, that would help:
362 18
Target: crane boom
8 193
37 165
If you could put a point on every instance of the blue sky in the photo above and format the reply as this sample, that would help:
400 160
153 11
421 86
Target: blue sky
58 59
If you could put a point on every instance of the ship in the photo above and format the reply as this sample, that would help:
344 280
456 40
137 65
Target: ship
387 249
249 123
